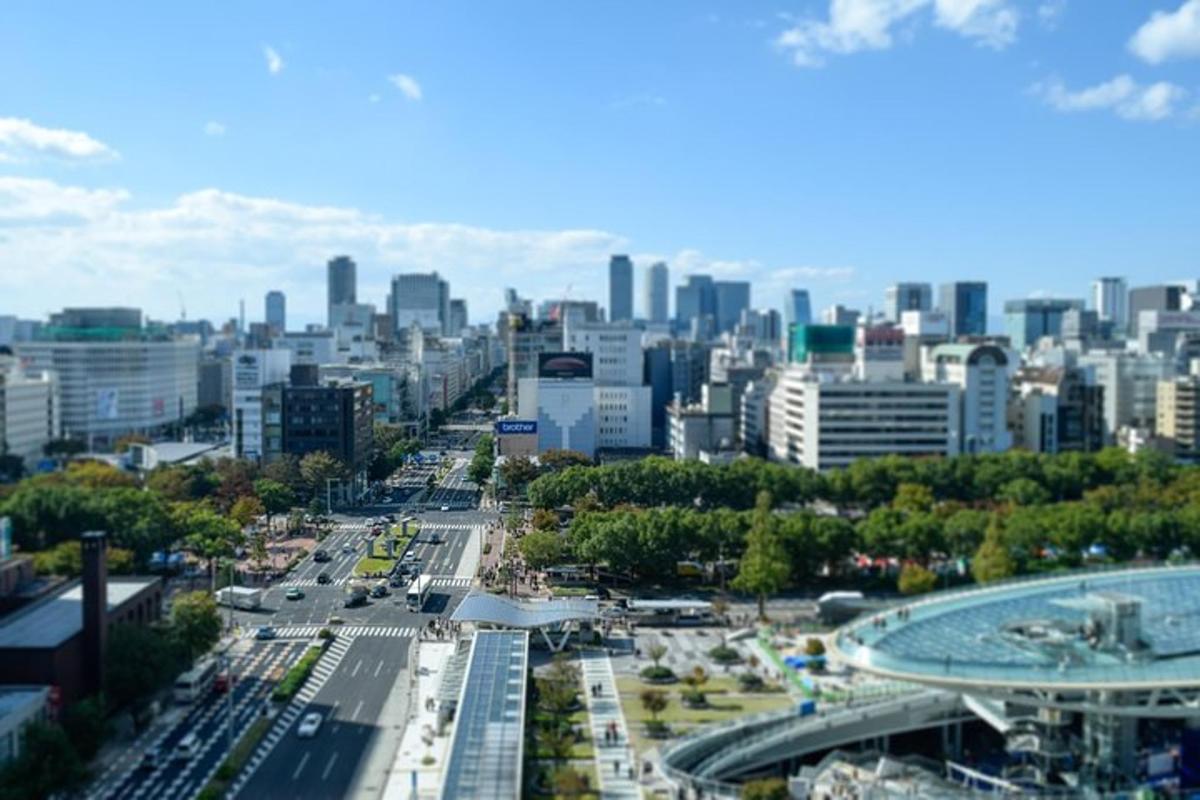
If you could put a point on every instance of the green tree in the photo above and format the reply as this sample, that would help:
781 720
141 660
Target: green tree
541 549
48 765
765 789
916 579
656 653
317 469
1023 492
209 536
276 497
567 781
913 498
992 561
195 622
140 661
654 701
86 725
285 470
246 509
518 472
764 567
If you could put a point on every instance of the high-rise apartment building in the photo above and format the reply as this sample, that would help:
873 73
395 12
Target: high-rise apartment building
1110 301
981 374
901 297
525 340
276 311
1026 321
342 280
458 316
423 298
1178 416
252 371
965 304
1167 297
620 289
657 293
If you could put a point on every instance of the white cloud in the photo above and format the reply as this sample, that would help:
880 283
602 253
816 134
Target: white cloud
274 60
214 128
1050 12
21 140
1169 34
34 200
407 85
1123 95
857 25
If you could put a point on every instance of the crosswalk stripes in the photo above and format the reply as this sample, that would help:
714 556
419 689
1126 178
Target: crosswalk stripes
451 582
342 631
302 582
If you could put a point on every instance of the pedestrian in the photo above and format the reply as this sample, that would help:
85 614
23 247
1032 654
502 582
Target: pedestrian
616 768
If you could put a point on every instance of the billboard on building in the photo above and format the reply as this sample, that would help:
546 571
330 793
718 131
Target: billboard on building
247 373
515 427
565 365
107 403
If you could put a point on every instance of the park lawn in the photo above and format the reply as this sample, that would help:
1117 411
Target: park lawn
570 591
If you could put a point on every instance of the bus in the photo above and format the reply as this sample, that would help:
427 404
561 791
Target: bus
191 685
418 592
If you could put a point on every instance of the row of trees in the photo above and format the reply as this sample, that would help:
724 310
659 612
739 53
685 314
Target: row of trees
1016 475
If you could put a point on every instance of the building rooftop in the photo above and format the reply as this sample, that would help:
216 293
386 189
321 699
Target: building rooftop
17 698
1042 632
56 619
488 744
493 610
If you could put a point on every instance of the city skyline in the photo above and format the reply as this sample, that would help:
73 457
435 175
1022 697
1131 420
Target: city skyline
96 199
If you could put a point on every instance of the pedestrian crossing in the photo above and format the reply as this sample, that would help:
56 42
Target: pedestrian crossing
450 582
302 582
342 631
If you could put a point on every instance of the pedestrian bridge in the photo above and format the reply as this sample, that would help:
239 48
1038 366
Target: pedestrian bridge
713 758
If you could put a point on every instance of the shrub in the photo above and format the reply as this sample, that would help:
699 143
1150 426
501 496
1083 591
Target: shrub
724 654
693 698
749 682
487 548
658 674
325 633
814 647
297 675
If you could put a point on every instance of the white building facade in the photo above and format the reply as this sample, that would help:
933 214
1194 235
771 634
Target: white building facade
252 370
981 374
29 410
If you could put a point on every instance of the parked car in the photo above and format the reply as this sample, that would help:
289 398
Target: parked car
324 578
265 632
309 726
295 593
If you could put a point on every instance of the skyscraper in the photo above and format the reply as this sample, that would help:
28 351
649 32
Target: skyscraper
1110 299
276 311
903 297
657 289
342 283
732 298
797 310
458 316
620 288
696 298
965 304
423 298
1026 321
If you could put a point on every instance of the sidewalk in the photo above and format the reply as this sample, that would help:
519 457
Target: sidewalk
421 755
613 761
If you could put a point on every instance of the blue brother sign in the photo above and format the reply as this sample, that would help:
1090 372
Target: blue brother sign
507 427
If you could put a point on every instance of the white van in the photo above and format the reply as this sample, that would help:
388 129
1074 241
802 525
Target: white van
188 748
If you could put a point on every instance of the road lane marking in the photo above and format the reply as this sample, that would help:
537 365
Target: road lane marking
329 766
358 708
377 669
299 767
356 668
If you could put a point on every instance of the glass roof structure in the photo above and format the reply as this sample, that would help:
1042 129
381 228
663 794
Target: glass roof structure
1056 633
486 752
528 614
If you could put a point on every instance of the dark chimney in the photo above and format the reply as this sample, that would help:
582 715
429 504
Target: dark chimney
95 609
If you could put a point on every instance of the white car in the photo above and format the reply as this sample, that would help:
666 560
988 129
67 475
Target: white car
309 726
445 508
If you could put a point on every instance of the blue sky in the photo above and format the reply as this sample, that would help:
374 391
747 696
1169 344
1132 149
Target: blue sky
149 151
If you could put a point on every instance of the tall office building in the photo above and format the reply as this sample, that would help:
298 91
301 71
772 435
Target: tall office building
981 374
1026 321
276 311
1153 298
342 283
423 298
620 288
30 408
732 298
694 299
965 303
797 310
458 316
901 297
1110 300
657 297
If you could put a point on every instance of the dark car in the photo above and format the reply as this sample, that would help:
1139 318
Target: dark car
321 557
397 582
379 590
356 599
324 578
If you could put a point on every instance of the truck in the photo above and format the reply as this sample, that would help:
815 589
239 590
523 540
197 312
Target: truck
242 597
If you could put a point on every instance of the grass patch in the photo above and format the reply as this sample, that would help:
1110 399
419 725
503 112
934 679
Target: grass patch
570 591
367 565
233 763
297 675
